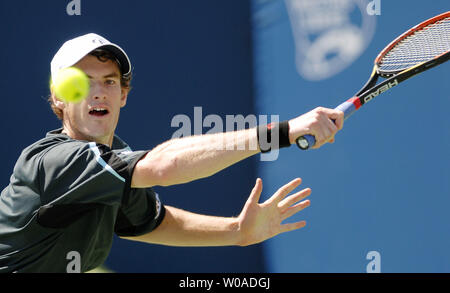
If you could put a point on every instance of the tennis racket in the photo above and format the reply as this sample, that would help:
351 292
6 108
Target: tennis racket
422 47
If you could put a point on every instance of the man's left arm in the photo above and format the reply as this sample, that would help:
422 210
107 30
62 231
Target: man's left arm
256 222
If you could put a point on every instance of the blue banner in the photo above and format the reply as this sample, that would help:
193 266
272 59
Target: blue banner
380 193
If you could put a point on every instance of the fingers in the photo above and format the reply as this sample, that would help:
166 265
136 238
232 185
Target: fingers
256 192
285 190
295 209
338 117
262 221
335 115
292 226
288 208
323 123
289 201
329 122
292 211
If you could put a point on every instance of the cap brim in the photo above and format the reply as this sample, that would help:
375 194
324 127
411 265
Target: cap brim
122 58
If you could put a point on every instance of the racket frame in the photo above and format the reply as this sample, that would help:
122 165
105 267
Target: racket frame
370 91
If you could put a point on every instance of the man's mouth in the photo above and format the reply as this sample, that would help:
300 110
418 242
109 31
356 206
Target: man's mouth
98 112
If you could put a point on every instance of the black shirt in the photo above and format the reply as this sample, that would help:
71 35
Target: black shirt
69 197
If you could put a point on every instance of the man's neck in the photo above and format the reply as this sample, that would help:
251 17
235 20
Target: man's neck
106 140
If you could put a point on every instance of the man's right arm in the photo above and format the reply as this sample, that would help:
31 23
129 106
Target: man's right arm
182 160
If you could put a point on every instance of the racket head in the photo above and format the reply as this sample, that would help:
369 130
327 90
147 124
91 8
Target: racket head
422 43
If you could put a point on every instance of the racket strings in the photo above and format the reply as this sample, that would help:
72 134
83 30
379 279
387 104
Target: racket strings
421 46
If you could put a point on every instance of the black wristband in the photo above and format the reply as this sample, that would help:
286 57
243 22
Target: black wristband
267 133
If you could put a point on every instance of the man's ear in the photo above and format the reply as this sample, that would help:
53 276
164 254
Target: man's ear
124 97
57 102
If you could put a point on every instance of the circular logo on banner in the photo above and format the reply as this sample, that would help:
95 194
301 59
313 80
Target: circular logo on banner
329 35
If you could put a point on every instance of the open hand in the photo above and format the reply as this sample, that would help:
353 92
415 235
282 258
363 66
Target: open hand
258 222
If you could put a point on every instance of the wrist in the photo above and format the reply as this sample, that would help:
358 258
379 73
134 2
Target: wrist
273 136
234 228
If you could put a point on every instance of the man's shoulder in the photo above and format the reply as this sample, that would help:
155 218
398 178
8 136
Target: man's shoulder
57 148
44 145
30 162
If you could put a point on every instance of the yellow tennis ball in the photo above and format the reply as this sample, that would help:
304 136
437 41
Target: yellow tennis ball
71 85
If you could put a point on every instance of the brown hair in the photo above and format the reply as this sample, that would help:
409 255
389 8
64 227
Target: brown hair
103 56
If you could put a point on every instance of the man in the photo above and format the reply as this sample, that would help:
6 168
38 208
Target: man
72 190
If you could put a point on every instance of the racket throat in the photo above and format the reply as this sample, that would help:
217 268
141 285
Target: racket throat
381 88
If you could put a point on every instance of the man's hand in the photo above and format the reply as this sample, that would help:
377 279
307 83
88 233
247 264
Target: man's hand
319 123
258 222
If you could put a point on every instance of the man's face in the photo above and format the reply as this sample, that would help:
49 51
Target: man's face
96 117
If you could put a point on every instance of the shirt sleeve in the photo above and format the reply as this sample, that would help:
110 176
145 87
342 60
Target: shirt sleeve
80 172
141 210
76 177
140 213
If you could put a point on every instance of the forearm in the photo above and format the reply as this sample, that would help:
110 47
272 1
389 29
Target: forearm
189 158
183 228
186 159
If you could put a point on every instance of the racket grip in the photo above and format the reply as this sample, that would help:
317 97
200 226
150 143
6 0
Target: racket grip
306 141
348 107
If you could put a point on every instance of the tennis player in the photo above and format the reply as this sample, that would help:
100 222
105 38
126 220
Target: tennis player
73 189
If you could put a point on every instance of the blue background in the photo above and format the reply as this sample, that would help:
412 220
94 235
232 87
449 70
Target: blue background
383 186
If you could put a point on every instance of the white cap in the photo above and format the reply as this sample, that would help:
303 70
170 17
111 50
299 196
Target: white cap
74 50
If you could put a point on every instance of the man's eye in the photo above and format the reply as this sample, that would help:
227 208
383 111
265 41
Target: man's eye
110 82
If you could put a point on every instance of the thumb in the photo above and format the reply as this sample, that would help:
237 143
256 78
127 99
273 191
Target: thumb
256 192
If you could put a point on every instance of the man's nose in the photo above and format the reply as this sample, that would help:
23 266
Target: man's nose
98 92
